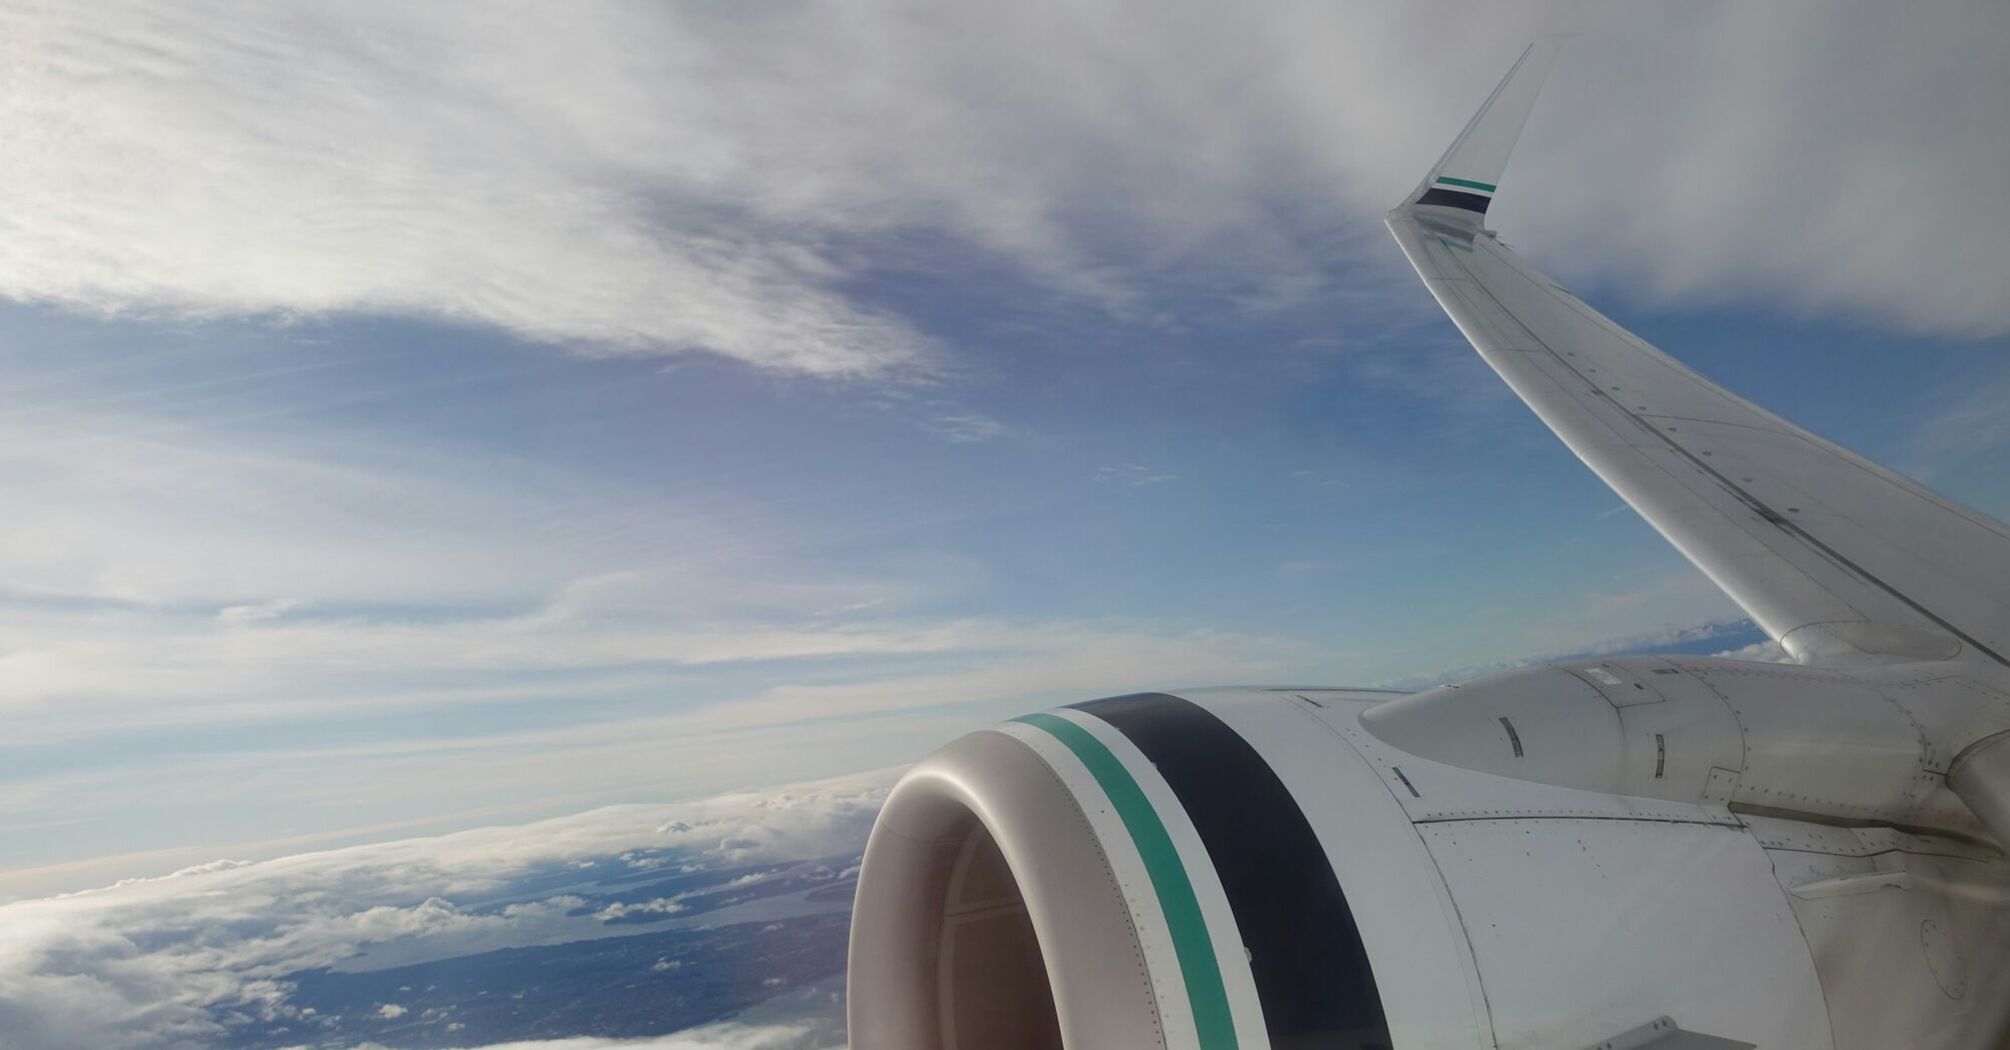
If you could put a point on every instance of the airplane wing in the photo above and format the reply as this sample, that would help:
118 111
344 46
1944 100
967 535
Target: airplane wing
1837 558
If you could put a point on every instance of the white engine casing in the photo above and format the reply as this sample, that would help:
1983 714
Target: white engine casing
1796 876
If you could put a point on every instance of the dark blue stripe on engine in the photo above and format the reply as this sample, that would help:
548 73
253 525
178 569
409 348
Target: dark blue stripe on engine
1305 952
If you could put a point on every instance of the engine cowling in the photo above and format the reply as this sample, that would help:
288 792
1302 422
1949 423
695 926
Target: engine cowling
1130 872
1266 867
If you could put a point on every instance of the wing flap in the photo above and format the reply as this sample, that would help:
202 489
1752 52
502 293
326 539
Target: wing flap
1834 556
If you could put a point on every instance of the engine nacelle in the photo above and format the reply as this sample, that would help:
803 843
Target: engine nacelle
1131 872
1333 868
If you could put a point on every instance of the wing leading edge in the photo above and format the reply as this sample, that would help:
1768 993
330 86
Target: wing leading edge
1837 558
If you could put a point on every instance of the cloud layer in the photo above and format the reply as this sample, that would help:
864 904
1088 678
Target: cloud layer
624 178
548 174
710 1037
166 962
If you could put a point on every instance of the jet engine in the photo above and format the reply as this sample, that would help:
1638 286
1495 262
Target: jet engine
1665 852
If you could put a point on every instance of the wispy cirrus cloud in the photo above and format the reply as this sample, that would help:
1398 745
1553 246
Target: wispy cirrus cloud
646 180
1968 421
555 177
1132 476
233 764
185 614
964 428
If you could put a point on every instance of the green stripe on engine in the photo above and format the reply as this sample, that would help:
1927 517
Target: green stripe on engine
1467 183
1191 943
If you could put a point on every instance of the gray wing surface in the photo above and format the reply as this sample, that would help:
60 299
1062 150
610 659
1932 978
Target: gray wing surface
1836 557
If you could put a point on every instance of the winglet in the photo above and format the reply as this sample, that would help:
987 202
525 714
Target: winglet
1465 178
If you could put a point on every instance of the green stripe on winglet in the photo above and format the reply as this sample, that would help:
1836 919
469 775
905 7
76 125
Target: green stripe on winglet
1191 943
1467 183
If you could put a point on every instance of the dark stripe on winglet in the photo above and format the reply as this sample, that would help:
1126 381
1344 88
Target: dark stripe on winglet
1305 953
1455 199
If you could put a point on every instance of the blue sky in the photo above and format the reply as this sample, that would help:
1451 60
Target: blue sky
689 403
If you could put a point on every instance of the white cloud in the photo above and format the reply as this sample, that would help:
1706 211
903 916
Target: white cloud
1768 652
1132 475
1685 635
852 720
646 179
1820 155
965 428
271 610
152 962
307 160
162 578
710 1037
173 563
1968 421
124 625
658 906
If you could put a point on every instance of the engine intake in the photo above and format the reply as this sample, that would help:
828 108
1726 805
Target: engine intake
1127 873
